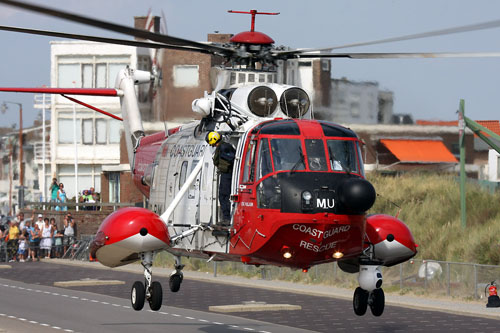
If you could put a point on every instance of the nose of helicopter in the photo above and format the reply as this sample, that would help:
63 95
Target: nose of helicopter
357 194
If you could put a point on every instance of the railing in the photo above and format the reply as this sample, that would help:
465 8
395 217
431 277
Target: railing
38 150
81 205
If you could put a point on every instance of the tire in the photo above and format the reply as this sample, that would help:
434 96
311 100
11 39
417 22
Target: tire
156 296
175 283
137 295
360 301
377 303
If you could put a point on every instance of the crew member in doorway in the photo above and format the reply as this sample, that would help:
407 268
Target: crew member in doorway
223 159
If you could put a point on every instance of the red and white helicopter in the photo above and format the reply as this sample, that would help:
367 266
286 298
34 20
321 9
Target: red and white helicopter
299 193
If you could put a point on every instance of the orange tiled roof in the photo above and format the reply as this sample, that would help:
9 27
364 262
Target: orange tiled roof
419 151
492 125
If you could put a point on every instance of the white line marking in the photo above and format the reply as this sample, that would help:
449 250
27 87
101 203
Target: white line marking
203 320
116 304
189 318
46 325
175 315
55 294
11 317
248 329
22 319
105 303
165 313
56 327
126 307
33 322
217 323
74 297
233 326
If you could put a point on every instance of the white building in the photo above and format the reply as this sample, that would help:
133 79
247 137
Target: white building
80 64
493 166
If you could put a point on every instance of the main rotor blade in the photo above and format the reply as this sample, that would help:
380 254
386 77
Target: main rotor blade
165 39
97 39
434 33
404 55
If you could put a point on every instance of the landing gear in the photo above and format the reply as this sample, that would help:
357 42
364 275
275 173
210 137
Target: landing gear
375 299
360 301
156 297
150 291
176 277
369 291
138 295
377 302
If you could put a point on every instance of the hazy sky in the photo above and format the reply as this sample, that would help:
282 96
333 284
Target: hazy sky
426 88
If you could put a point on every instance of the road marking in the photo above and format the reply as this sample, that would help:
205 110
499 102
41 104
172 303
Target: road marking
112 304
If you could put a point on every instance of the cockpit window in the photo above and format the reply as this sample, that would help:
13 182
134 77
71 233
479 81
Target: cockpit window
264 165
287 154
316 155
342 155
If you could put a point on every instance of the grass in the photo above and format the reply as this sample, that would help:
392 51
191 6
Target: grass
430 206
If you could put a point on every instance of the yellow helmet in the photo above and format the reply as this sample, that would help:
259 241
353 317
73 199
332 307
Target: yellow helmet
212 138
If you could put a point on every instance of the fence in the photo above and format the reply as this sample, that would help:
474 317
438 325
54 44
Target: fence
429 277
448 279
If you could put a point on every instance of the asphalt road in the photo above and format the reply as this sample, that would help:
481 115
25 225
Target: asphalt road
107 308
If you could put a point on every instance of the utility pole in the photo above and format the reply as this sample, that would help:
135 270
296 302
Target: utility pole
461 143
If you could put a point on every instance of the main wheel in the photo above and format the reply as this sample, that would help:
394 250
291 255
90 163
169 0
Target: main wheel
175 283
377 302
137 295
360 301
156 296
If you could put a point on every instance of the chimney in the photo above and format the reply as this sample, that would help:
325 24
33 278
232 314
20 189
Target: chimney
140 22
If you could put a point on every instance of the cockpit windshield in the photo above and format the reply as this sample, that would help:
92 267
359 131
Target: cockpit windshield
287 154
342 155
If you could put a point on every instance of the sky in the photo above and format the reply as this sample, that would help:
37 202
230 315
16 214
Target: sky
425 88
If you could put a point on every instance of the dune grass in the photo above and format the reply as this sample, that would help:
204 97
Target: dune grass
430 206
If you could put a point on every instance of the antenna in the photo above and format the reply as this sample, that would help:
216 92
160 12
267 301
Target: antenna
252 12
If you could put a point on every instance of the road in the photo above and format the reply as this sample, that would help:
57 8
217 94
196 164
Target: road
29 298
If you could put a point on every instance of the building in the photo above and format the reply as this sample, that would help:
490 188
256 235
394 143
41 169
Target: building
81 137
351 102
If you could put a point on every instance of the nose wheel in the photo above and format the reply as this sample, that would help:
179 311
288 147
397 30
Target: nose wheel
138 295
149 290
176 277
362 299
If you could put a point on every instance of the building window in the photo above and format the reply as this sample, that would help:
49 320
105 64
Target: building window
114 131
88 131
66 133
101 134
114 187
325 65
186 76
498 168
241 77
89 72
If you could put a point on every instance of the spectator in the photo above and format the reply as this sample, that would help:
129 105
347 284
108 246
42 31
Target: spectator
23 246
36 234
20 221
46 242
69 234
58 242
27 235
39 222
61 197
13 235
54 188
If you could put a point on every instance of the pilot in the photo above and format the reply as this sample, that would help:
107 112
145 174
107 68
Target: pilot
223 159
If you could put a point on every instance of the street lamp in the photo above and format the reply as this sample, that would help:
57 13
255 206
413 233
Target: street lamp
21 169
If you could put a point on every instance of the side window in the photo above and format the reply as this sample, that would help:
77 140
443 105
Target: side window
248 167
183 175
264 165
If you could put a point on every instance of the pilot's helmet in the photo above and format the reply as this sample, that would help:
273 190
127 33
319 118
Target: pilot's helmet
212 138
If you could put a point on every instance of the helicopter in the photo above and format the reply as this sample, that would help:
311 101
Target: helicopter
299 196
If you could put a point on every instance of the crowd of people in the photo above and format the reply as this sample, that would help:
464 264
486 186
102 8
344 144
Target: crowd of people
58 195
28 240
